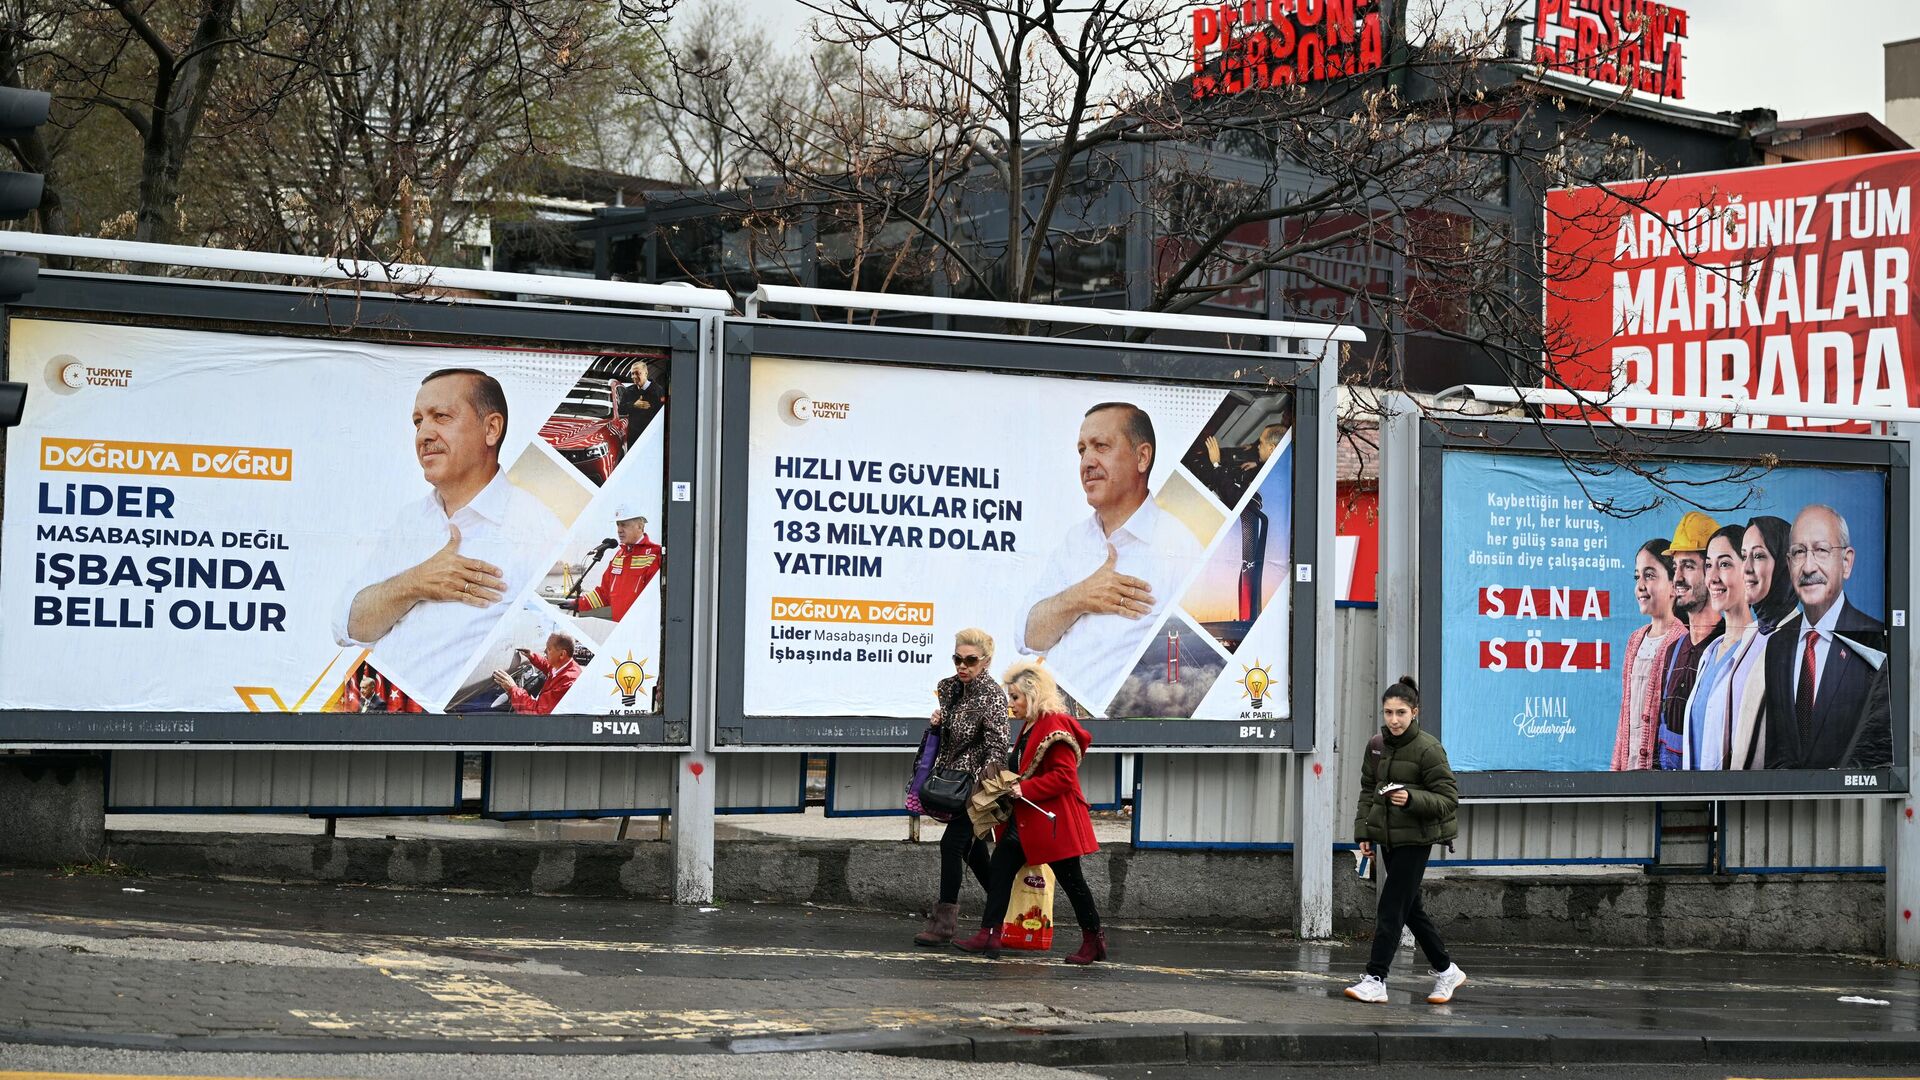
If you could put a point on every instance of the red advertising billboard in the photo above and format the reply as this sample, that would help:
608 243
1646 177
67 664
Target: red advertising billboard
1788 281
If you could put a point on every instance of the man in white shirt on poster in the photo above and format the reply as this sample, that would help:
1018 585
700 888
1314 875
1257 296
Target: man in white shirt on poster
442 574
1101 592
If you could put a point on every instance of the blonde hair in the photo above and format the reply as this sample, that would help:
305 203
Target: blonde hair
977 638
1036 684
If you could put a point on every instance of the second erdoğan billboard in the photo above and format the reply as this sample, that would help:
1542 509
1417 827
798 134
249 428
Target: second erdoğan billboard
1792 281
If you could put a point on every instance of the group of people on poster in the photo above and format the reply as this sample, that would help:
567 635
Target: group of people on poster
1752 656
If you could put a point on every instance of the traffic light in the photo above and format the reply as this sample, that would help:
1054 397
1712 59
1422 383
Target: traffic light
21 111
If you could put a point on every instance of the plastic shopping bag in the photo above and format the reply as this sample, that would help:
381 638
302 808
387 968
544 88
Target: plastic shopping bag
1029 922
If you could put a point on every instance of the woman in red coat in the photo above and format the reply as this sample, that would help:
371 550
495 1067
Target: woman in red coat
1046 754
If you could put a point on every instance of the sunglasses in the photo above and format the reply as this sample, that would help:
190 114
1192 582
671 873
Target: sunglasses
966 661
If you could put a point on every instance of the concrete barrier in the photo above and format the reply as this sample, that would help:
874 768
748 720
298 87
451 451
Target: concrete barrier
54 809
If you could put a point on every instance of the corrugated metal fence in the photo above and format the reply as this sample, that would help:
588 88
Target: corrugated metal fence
1217 800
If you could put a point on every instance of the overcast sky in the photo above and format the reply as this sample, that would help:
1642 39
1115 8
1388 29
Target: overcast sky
1799 57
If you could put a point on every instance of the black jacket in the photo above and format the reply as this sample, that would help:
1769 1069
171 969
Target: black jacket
1851 709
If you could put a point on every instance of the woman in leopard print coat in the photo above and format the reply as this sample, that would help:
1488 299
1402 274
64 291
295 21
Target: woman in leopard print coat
973 724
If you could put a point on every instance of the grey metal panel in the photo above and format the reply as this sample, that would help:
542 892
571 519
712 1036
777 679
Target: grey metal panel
760 784
1555 833
1212 800
1100 779
583 783
1803 834
300 781
1360 686
867 785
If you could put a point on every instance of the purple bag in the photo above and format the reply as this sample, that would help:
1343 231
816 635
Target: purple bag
922 768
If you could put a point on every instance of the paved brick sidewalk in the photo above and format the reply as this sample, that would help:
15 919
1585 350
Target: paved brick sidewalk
147 962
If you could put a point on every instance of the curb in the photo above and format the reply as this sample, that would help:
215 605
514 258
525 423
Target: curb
1237 1044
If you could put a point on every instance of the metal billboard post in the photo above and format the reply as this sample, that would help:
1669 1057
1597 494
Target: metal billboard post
1316 785
1900 832
694 777
1399 526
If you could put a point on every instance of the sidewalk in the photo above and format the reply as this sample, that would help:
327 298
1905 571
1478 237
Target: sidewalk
135 962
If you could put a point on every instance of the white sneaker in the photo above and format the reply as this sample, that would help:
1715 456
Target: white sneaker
1372 990
1445 983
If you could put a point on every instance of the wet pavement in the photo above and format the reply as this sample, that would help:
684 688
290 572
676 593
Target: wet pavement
114 960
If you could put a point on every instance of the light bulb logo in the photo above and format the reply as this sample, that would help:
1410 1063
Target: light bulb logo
1256 681
629 676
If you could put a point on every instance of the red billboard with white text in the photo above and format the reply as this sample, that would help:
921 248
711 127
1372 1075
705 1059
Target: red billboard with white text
1788 281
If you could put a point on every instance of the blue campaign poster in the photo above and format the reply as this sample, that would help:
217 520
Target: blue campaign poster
1543 574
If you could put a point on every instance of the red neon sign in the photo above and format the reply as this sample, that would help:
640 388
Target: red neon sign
1266 43
1632 43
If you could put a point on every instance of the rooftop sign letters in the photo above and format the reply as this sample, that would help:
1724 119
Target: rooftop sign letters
1631 43
1268 43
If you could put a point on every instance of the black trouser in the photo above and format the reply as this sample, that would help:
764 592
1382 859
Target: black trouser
1008 858
957 846
1400 907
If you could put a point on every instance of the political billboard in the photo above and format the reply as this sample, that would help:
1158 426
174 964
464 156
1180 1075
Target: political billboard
271 537
1135 535
1713 621
1788 281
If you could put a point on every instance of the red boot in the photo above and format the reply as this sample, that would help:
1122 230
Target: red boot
1093 946
984 941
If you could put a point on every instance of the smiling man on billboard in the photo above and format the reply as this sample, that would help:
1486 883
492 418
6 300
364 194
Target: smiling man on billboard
1094 603
1827 673
438 578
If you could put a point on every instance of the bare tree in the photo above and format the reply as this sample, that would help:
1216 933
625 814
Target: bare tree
1402 197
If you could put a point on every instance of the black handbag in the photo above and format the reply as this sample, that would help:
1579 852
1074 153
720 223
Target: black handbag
947 791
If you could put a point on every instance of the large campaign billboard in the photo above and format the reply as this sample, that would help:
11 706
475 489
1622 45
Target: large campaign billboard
1788 281
202 527
1590 630
1138 535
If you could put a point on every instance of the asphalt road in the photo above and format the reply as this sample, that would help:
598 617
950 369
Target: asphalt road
43 1063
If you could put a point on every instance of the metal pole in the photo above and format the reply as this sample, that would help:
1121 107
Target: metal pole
1399 523
1900 826
1310 335
695 776
1398 628
307 266
1314 782
1628 401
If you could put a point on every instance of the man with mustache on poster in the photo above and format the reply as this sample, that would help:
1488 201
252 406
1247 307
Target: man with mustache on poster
438 579
1095 601
1828 688
1689 554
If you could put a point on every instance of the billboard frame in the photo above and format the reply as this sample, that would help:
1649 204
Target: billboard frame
1893 455
741 340
225 307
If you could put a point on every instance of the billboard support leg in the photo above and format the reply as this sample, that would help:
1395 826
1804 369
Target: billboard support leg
1900 829
1314 785
695 776
693 829
1399 589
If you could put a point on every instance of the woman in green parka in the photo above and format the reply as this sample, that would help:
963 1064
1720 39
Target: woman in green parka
1407 805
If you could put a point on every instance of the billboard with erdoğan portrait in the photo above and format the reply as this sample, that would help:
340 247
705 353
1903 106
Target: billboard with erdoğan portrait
1127 517
270 537
1788 281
